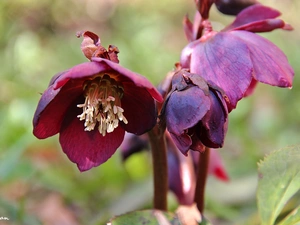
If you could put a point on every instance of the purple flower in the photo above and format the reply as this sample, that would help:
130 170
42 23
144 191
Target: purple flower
92 105
236 58
194 113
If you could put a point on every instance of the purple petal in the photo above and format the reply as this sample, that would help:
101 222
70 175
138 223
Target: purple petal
214 123
185 109
139 109
225 61
182 141
270 63
262 26
87 148
133 144
52 107
185 58
188 28
251 88
253 14
181 174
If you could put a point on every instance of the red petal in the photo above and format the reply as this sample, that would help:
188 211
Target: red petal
87 148
84 70
52 108
139 109
216 166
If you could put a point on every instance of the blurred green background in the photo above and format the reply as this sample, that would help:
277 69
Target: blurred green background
39 185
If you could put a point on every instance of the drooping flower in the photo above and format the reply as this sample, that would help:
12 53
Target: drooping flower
235 59
181 169
92 104
194 113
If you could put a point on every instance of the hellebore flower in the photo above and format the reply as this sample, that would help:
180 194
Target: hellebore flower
194 113
181 169
235 59
91 106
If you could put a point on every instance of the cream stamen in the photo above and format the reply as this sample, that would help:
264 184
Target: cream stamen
102 104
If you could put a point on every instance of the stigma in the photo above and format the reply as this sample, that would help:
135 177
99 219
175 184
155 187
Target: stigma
102 106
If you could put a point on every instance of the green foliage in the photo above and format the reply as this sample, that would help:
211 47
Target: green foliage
146 217
150 217
279 180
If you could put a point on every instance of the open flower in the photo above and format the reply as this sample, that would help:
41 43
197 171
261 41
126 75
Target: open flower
194 113
236 58
92 104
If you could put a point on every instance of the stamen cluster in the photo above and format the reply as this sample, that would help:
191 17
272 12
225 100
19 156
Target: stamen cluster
102 104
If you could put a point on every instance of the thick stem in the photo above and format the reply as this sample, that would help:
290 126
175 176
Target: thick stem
160 167
201 179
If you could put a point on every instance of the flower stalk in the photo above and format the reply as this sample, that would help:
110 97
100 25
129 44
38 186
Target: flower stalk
160 167
202 172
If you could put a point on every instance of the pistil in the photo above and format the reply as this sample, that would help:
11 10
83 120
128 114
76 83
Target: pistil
102 105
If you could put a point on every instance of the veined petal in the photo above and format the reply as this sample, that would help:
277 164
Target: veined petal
270 63
218 60
87 149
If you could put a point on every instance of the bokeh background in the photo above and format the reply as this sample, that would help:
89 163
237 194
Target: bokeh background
39 185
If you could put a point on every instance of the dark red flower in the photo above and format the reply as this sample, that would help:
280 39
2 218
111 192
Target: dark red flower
236 58
91 106
194 113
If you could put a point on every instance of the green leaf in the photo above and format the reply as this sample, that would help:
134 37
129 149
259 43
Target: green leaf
293 218
146 217
279 180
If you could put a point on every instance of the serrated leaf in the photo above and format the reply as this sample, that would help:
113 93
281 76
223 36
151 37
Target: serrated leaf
279 180
146 217
293 218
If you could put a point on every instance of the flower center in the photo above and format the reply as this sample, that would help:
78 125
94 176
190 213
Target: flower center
102 104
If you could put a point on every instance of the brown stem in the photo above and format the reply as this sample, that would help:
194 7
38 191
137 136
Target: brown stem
201 179
160 167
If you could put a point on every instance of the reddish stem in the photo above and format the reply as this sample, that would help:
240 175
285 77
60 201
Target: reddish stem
201 179
160 167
